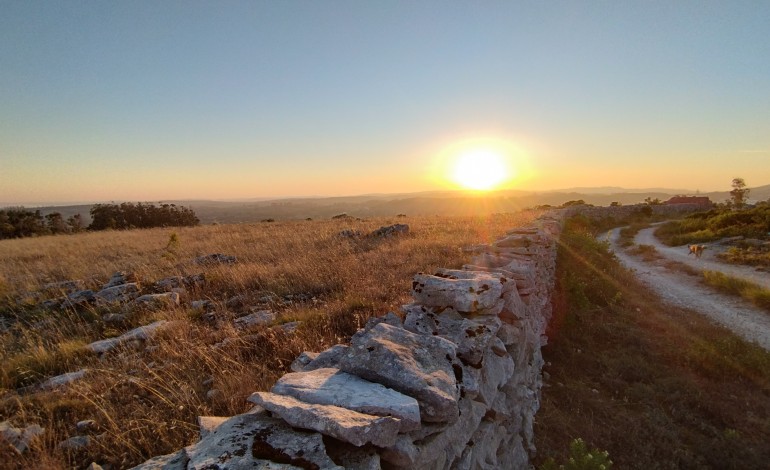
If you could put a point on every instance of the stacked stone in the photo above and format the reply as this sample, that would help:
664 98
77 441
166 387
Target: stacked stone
455 385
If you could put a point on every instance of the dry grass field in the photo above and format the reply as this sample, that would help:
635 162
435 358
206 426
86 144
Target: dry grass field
145 398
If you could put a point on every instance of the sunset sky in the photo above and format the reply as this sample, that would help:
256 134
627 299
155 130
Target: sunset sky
146 100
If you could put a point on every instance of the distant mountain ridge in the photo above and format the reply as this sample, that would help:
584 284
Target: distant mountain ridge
420 203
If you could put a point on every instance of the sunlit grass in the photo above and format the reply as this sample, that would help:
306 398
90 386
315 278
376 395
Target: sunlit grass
146 399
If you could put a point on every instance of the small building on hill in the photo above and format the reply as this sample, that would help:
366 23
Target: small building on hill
698 200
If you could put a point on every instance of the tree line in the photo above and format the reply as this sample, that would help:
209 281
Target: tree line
18 222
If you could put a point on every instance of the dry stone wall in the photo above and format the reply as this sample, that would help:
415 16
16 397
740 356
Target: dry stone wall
452 383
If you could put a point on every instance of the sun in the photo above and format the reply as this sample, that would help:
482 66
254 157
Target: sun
480 169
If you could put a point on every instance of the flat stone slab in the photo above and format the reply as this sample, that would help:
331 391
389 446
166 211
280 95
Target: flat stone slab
415 365
63 379
479 293
330 386
341 423
141 333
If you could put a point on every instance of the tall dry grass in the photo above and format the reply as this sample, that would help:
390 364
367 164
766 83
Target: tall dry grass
145 398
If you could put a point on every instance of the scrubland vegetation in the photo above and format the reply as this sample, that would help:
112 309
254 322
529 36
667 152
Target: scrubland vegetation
716 224
654 385
145 398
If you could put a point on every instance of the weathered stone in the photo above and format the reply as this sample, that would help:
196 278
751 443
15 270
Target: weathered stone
167 299
444 446
79 298
63 379
389 318
207 424
176 461
215 259
328 358
472 336
140 333
114 317
340 423
481 293
390 231
120 278
256 441
334 387
168 283
119 293
261 317
75 443
288 328
301 362
415 365
86 425
19 438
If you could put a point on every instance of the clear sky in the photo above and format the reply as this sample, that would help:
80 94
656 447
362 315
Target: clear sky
148 100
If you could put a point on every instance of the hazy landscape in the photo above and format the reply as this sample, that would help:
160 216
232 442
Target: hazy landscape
403 235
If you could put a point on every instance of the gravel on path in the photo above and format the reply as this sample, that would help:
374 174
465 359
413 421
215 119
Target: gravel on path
708 261
736 314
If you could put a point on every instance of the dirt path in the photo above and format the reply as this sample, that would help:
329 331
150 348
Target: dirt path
685 291
708 261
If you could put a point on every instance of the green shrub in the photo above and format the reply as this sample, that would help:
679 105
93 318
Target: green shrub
581 458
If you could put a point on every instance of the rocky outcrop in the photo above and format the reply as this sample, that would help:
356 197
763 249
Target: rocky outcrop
451 383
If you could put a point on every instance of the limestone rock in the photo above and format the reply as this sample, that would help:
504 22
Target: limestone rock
63 379
119 293
334 387
256 441
207 424
79 298
75 443
86 425
120 278
140 333
472 336
19 438
261 317
167 299
301 362
340 423
328 358
390 231
176 461
415 365
481 293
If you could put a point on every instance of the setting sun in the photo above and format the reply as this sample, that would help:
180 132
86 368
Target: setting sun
480 169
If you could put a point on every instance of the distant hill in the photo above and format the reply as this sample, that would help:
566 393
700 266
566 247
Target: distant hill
421 203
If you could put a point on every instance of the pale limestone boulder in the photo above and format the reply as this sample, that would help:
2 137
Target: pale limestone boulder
415 365
481 293
63 379
256 441
343 424
333 387
137 334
